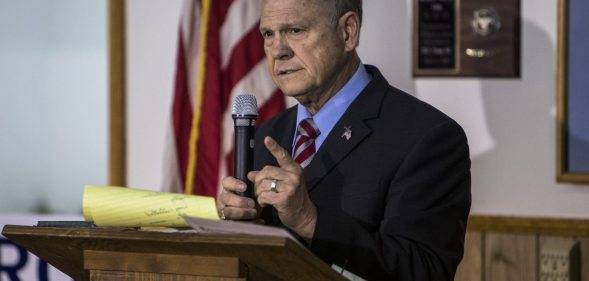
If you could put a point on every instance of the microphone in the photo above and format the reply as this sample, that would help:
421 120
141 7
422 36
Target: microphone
244 113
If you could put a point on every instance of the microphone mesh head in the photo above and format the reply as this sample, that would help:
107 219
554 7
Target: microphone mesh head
245 105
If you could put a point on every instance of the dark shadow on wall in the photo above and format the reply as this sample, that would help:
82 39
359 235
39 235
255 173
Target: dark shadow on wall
520 119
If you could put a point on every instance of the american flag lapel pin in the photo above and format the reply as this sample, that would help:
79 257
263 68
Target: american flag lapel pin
347 132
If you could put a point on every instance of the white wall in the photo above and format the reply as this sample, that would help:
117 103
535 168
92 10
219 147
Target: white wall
53 103
152 28
510 122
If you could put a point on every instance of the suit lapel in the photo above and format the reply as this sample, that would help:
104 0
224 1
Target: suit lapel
285 134
336 147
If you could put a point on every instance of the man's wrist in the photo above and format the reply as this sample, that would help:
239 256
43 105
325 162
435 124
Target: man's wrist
306 229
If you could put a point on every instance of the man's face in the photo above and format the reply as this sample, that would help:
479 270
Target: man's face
303 47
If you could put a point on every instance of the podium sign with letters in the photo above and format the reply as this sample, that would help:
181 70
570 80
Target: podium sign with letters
466 38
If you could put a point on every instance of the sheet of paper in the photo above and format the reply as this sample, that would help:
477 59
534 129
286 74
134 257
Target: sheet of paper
128 207
233 227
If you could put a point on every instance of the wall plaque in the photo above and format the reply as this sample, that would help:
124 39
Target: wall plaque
466 38
436 38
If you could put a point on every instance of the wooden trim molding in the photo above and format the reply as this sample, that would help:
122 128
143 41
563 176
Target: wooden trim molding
116 45
528 225
561 93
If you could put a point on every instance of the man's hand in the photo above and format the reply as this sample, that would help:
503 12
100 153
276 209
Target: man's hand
290 198
232 206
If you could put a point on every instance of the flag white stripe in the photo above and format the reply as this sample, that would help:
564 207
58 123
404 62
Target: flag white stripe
243 15
171 176
190 29
186 20
192 51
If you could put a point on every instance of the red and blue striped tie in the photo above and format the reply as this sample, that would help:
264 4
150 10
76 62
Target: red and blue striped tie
304 151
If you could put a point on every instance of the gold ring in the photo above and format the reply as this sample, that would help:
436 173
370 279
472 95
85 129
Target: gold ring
273 186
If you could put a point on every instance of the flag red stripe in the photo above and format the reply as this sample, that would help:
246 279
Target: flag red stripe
221 10
246 54
181 110
271 107
209 143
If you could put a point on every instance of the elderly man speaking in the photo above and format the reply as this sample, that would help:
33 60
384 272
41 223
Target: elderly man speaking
374 181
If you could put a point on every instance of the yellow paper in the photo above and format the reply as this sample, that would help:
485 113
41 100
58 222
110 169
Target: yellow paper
128 207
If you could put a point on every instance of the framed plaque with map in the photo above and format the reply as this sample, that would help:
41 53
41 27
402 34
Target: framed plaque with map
466 38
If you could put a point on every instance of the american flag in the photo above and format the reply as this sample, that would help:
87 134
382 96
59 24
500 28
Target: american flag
220 55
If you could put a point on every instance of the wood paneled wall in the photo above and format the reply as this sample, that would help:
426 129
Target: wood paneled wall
508 248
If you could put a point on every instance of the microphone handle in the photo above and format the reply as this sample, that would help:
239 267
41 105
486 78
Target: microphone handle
243 159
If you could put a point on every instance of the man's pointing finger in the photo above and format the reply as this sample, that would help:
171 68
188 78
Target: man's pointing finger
282 156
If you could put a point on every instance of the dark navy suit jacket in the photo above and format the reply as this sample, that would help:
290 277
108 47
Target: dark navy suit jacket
394 199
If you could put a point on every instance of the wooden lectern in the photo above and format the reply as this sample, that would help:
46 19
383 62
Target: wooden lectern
128 254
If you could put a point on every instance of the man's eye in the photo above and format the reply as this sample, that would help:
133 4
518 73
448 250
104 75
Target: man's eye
267 34
295 30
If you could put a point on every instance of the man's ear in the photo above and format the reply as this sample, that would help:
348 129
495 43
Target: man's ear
349 25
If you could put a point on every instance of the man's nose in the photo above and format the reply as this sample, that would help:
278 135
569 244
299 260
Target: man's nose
281 49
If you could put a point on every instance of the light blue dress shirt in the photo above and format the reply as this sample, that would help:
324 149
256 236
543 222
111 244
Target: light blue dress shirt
335 107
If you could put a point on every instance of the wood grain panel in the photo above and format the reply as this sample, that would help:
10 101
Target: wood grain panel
470 269
511 257
529 225
164 263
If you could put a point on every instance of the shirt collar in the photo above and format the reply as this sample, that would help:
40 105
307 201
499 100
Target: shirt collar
334 108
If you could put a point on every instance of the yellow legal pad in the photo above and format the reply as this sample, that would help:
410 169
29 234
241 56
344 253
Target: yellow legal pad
129 207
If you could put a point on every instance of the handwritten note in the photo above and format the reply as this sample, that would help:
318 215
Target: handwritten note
128 207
